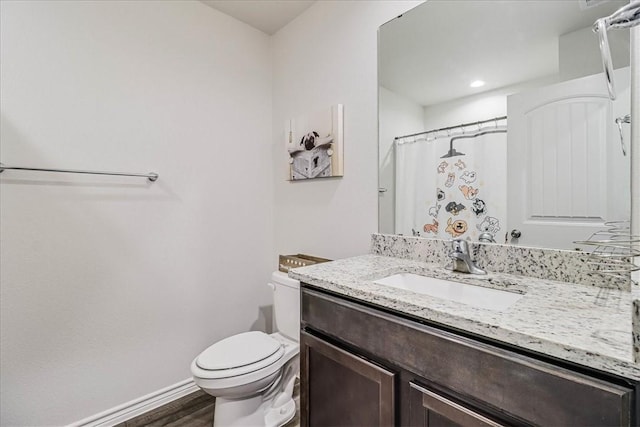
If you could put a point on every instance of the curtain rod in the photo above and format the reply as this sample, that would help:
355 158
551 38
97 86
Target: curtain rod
463 125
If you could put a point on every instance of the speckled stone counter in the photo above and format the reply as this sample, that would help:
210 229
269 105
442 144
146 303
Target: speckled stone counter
586 325
553 264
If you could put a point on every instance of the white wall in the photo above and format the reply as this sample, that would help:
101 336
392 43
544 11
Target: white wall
110 286
579 53
398 116
328 55
478 107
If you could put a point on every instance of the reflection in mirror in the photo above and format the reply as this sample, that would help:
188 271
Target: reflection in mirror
495 122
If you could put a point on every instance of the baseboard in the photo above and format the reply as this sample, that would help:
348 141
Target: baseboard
138 406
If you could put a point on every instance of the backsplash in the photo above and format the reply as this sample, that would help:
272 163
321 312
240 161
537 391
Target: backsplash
551 264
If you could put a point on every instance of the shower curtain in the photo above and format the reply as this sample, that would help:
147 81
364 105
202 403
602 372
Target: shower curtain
455 197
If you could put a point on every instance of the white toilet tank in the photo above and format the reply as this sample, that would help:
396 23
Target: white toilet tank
286 305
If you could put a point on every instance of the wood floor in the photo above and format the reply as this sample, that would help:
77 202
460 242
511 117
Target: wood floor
193 410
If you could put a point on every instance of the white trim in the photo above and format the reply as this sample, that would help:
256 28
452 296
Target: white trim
139 406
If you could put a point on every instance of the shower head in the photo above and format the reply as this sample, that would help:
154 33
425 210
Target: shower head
451 153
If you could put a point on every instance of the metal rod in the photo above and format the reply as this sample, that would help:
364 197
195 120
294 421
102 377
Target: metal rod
475 135
627 16
634 154
151 176
495 119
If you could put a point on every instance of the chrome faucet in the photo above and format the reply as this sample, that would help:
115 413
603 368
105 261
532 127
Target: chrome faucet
462 261
486 238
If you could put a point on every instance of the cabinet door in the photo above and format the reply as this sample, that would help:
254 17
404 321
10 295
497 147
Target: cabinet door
430 409
342 389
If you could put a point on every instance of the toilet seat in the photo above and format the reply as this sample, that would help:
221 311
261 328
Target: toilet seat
239 355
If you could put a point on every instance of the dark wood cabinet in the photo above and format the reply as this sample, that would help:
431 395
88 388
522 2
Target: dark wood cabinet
428 408
354 356
340 388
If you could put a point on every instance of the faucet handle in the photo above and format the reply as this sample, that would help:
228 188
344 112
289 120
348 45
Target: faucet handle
459 245
462 258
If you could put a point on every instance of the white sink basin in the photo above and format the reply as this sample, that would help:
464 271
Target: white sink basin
476 296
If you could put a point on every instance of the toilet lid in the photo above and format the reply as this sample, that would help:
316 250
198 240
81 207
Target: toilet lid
238 350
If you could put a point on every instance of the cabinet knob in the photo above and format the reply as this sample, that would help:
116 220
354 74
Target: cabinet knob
516 233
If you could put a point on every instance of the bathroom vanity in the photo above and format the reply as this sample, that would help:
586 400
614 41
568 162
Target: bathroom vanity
372 354
380 344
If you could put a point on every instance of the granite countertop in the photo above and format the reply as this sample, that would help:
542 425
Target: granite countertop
586 325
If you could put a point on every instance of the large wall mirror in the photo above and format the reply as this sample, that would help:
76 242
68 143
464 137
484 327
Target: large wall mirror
495 122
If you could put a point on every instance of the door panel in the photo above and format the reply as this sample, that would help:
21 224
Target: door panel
566 171
342 389
431 409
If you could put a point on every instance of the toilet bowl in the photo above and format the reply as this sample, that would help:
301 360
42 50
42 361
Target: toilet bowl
252 374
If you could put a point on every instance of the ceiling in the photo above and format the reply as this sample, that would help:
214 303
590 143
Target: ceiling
455 42
267 16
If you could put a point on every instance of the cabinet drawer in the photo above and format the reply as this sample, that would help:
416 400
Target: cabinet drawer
533 391
428 408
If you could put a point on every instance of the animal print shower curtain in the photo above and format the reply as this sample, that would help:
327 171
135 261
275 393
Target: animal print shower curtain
455 197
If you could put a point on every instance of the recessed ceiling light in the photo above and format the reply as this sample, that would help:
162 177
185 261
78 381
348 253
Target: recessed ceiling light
477 83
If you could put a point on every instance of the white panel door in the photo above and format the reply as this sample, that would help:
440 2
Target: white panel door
566 172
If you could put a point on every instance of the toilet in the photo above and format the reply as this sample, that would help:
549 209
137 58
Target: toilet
252 374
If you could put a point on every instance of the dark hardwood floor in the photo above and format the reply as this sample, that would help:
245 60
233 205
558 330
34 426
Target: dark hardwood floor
193 410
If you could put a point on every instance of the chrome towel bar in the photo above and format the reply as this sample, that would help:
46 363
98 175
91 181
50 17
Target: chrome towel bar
151 176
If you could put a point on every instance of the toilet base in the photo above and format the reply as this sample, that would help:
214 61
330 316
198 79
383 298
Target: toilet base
271 408
252 412
238 412
276 417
